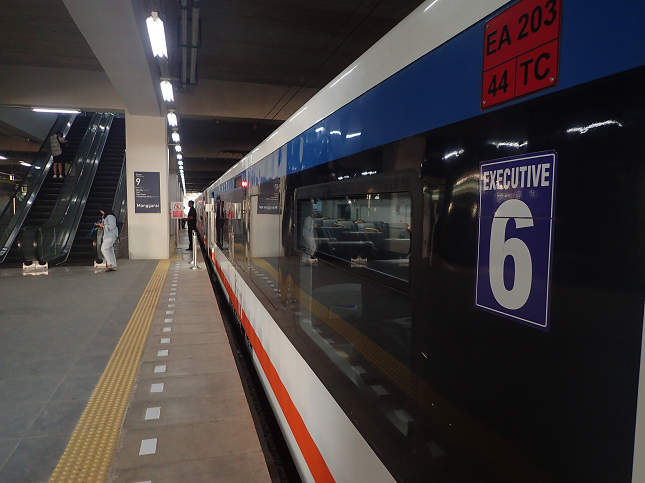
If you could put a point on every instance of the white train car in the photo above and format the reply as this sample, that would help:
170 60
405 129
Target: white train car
439 260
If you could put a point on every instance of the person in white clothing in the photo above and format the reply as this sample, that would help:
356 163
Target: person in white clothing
110 234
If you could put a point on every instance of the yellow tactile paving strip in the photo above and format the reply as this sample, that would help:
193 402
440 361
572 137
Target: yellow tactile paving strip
89 451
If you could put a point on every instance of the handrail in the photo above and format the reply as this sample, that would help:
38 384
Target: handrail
54 239
120 205
26 191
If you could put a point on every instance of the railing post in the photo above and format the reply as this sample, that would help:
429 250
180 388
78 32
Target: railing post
194 262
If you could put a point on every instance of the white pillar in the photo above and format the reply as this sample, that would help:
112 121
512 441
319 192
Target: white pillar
173 195
147 151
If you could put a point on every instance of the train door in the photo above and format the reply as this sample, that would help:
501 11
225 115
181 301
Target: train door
264 243
237 234
357 286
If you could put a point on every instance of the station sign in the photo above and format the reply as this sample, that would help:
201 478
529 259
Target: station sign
521 50
177 209
516 209
147 192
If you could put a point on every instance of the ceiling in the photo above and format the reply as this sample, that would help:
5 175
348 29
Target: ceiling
280 51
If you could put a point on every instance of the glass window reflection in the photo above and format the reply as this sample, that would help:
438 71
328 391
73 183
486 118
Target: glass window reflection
371 231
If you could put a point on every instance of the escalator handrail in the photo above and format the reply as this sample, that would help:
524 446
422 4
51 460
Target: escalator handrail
37 173
55 237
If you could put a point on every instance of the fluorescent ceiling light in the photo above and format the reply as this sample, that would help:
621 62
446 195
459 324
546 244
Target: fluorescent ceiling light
180 163
179 156
25 164
58 111
172 119
166 91
178 147
2 157
175 137
157 35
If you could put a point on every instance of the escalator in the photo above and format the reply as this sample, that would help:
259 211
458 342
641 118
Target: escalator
54 239
102 193
44 203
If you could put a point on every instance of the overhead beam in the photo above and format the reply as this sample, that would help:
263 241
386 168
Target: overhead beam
241 99
27 86
111 30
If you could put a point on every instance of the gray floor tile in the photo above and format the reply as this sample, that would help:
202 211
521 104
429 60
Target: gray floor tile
32 367
29 389
112 331
16 419
189 410
181 444
154 340
204 311
189 367
179 327
34 459
76 387
58 417
102 344
6 448
185 351
189 386
239 468
90 364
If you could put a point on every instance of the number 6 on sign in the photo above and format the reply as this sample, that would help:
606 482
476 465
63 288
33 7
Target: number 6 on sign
500 248
516 206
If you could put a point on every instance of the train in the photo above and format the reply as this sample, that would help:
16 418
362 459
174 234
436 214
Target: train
438 261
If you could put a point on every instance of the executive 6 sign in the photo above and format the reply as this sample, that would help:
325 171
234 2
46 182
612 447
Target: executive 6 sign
521 47
516 205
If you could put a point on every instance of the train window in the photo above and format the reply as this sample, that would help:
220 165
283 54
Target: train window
371 231
237 233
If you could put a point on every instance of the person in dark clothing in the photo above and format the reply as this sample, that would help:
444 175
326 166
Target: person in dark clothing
219 223
192 223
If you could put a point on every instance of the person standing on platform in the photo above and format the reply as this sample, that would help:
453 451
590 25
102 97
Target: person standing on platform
56 140
219 223
192 223
110 234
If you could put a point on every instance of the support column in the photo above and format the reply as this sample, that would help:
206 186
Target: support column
147 151
174 195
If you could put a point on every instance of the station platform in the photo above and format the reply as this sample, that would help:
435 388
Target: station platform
123 376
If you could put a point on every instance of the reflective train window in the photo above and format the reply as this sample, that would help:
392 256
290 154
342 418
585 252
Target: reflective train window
371 231
237 234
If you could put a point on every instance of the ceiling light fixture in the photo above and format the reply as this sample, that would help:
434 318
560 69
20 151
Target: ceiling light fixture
3 158
179 156
166 91
175 137
178 148
172 118
57 111
157 35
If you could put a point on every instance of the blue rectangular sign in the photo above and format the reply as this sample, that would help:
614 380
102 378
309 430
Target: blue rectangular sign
516 207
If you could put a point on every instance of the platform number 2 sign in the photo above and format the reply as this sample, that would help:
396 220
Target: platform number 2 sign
516 206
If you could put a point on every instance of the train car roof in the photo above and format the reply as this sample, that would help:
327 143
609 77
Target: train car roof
429 26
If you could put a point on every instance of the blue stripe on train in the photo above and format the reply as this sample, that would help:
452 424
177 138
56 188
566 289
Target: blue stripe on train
444 87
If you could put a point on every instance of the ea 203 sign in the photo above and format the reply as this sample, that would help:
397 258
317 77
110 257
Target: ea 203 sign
521 49
516 206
